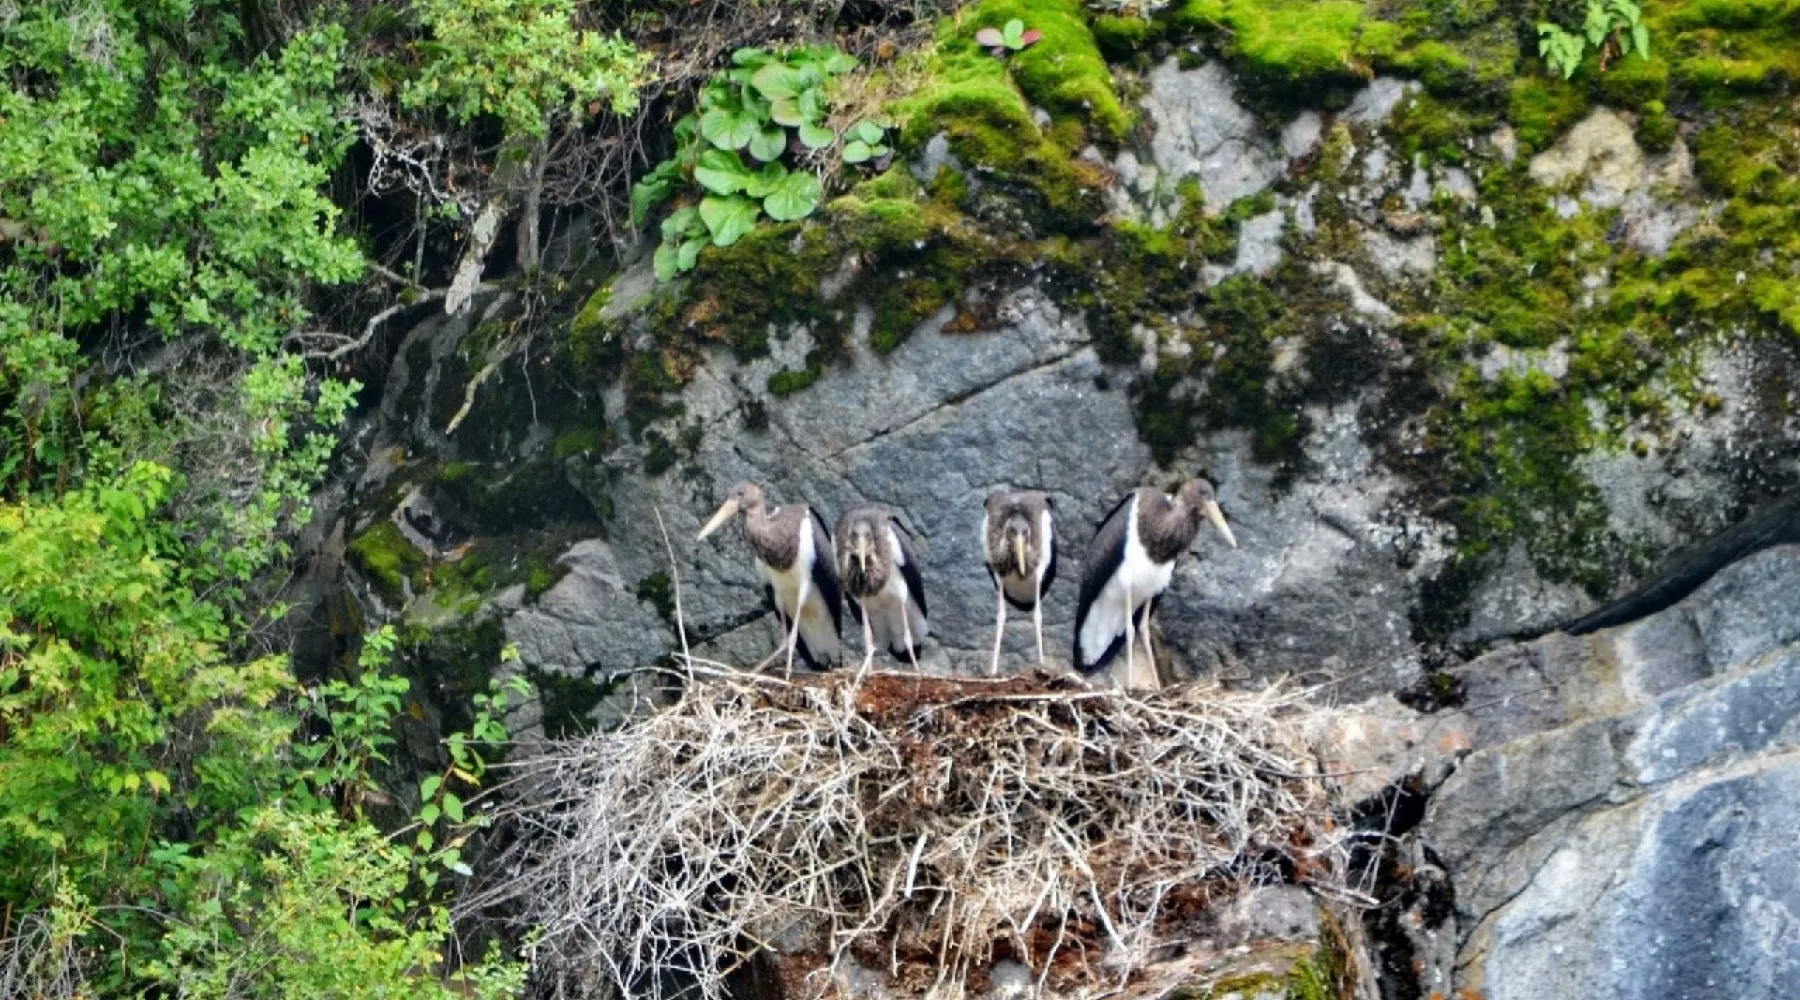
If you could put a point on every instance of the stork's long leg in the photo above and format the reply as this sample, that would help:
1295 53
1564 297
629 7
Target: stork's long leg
1150 650
999 627
1130 644
868 638
793 642
906 633
1037 615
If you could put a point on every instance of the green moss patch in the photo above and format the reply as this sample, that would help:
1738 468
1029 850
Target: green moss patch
384 555
1064 72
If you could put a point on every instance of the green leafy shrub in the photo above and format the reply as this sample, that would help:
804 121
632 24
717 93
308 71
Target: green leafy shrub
1611 28
772 107
518 59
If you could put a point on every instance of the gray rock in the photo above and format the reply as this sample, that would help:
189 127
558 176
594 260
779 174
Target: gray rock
1399 259
934 157
1301 136
1737 716
1602 151
1202 132
1622 828
1374 103
1258 250
1514 599
591 620
1690 895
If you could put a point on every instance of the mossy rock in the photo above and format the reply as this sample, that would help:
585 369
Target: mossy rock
386 558
1064 72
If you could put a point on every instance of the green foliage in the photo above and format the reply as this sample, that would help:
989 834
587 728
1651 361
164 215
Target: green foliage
1609 28
189 824
521 61
772 106
116 216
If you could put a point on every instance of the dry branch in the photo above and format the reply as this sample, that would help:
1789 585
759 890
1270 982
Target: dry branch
920 828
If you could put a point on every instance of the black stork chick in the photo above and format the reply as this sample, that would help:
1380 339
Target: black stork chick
1018 538
792 548
875 559
1129 565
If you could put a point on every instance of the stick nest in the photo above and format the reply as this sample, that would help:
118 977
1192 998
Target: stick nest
911 828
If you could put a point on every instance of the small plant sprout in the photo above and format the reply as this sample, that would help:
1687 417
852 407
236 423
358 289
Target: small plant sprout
1011 38
864 143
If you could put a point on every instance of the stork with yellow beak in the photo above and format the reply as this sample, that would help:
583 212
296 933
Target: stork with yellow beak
1129 565
875 559
792 548
1018 537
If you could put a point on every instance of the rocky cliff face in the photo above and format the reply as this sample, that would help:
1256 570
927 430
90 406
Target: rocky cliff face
1610 815
1465 356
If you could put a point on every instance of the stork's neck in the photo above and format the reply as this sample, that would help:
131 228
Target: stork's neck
761 535
1166 526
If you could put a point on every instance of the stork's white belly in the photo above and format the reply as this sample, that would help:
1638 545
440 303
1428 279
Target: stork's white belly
1138 577
891 611
816 626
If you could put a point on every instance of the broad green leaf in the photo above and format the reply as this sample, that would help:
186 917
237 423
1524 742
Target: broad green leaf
453 808
429 814
648 193
838 62
812 104
689 254
1014 32
1640 39
765 180
729 128
750 57
776 80
679 222
429 787
728 219
1597 24
816 136
665 262
868 132
721 172
858 151
158 782
793 197
769 143
786 111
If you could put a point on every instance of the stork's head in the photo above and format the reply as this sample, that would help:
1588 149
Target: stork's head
860 542
1018 532
1198 494
743 497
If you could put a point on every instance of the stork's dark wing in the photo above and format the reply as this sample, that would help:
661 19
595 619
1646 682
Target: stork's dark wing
1105 554
909 567
824 572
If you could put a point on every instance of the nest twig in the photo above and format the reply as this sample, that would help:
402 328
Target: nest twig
915 828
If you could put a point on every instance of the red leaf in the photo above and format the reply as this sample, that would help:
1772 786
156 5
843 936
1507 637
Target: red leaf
1030 37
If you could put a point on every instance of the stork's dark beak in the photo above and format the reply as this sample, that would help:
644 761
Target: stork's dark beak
1019 553
1217 517
726 512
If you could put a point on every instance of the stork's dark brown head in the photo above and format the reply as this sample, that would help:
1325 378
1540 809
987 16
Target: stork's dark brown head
1197 494
863 557
746 497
